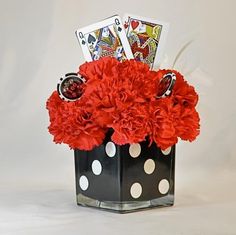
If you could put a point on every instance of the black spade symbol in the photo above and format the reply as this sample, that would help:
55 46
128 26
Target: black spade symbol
83 42
91 39
119 29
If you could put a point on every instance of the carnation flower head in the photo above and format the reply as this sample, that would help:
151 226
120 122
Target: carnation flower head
161 126
73 123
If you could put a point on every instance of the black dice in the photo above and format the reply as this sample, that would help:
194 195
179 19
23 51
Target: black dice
125 178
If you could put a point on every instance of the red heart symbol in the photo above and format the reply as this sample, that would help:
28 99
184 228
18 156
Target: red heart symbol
134 24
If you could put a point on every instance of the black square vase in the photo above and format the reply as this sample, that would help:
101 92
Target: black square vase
125 178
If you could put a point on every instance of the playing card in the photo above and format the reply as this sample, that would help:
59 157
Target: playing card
105 38
147 38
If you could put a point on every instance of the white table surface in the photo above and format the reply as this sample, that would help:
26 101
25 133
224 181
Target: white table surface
201 208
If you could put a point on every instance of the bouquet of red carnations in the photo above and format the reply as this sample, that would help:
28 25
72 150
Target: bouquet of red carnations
128 97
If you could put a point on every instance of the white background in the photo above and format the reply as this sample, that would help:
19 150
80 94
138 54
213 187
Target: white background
38 45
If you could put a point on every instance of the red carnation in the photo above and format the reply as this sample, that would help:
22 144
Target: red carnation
72 123
187 124
98 68
125 85
161 126
137 77
129 125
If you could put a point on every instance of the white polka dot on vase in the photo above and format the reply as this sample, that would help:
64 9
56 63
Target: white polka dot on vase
83 182
110 149
96 167
136 190
163 186
166 151
134 150
149 166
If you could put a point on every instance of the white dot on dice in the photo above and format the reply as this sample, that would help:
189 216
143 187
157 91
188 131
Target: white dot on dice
83 182
96 167
149 166
134 150
136 190
166 151
110 149
163 186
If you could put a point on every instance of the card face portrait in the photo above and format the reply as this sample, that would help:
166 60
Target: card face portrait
147 38
105 38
